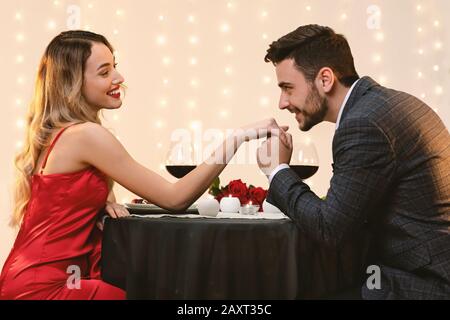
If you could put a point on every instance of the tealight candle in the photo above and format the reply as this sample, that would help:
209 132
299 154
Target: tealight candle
208 207
249 209
230 204
269 208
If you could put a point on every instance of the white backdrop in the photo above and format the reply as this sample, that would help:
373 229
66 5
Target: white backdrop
199 64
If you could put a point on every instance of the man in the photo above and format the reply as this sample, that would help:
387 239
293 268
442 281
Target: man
391 168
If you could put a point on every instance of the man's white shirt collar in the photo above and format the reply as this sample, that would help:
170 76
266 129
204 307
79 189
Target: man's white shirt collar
344 103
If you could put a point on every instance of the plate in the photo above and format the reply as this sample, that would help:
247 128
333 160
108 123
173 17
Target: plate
144 208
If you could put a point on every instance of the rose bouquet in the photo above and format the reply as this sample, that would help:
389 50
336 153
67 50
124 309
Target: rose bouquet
239 189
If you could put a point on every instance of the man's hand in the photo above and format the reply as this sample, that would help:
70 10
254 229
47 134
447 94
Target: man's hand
273 152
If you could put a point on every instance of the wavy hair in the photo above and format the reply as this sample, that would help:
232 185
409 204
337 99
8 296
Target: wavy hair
57 101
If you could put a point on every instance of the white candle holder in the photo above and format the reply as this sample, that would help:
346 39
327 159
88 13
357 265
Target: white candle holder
230 205
270 208
208 207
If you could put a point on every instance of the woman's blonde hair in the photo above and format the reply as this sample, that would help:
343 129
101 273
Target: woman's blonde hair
57 101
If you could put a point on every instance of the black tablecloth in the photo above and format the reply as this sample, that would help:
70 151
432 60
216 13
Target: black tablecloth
184 258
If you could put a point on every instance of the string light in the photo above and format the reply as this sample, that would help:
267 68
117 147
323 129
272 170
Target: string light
195 125
436 68
379 36
20 37
194 83
193 40
18 16
159 145
264 101
193 61
166 61
192 104
159 124
51 24
20 123
161 40
19 58
224 28
161 18
163 103
90 6
439 90
119 12
191 19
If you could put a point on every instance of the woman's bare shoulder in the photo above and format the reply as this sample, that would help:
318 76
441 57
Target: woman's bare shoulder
90 131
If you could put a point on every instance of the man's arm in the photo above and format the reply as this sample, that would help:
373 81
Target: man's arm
363 172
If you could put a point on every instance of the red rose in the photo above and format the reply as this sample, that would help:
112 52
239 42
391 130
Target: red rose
257 196
238 189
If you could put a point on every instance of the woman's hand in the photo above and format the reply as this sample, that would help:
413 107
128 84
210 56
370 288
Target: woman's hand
261 129
115 210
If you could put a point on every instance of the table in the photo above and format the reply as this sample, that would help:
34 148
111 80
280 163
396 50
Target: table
184 258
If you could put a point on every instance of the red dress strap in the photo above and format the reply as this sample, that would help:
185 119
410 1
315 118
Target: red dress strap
52 145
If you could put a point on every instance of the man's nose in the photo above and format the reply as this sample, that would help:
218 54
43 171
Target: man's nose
283 103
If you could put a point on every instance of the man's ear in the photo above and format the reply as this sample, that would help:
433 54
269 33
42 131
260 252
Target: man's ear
325 80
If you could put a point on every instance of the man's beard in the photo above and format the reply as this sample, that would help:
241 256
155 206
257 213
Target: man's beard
319 109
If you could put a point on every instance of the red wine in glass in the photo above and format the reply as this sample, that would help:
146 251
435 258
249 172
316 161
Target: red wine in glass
179 171
304 171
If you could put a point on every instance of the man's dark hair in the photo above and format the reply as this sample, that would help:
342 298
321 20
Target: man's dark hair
313 47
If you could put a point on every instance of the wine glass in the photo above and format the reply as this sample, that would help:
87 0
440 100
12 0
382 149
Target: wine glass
180 158
304 161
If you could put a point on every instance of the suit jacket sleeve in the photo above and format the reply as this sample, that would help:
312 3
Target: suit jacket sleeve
364 166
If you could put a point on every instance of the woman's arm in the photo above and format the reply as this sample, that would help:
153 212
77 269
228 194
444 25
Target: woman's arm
99 148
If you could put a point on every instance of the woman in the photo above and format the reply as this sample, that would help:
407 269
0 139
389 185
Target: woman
65 172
